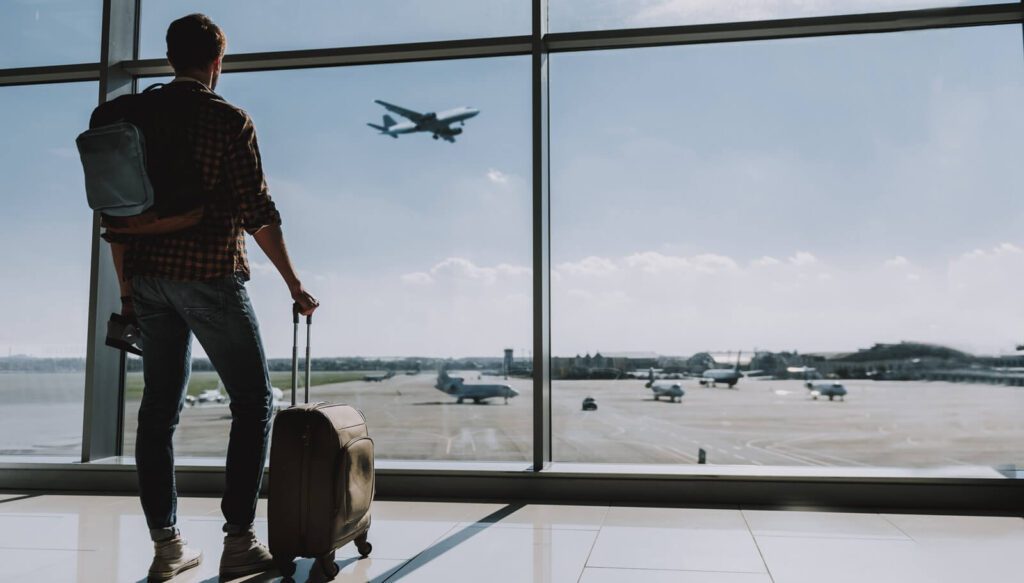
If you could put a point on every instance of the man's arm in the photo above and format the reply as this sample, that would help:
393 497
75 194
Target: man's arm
271 241
258 213
117 252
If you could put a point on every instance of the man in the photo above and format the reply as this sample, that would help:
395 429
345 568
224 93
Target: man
193 282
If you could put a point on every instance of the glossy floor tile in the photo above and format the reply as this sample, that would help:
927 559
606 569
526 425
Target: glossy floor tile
103 539
627 547
821 524
600 575
813 560
500 555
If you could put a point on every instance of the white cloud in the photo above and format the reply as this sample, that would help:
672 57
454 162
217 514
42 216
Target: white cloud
711 263
513 270
672 304
802 258
589 266
417 278
462 269
497 176
896 262
261 268
654 262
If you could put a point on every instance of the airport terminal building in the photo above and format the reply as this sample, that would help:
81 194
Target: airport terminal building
649 290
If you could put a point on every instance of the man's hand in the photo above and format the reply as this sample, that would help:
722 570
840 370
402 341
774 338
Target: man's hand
127 307
307 303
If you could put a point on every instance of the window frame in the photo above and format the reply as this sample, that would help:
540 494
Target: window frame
118 72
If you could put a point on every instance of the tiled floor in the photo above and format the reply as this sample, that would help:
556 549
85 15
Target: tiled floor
103 539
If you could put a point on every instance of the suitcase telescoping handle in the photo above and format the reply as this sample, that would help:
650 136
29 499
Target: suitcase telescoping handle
295 352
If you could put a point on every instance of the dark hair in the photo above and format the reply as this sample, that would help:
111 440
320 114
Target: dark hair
193 42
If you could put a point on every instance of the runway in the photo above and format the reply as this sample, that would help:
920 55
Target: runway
761 422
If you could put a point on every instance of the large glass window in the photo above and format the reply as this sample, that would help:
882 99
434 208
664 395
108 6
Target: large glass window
770 225
50 32
418 248
570 15
44 300
312 24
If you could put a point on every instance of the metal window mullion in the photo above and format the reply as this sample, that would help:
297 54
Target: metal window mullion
354 56
103 415
50 74
542 448
881 22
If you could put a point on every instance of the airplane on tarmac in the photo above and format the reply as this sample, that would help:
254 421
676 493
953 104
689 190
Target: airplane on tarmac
729 376
277 396
377 378
456 387
672 390
830 389
438 124
207 396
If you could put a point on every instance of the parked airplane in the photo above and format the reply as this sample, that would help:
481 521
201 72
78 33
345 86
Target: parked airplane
438 124
456 387
830 389
376 378
672 390
207 396
729 376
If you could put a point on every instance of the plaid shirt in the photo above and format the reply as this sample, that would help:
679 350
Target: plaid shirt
225 150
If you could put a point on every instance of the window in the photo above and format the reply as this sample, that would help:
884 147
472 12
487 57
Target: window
282 25
571 15
820 211
44 302
56 32
418 249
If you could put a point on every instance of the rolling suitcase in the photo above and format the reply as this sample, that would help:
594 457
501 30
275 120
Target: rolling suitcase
321 478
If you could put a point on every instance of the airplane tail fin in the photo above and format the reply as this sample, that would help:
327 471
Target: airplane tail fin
389 121
738 355
377 127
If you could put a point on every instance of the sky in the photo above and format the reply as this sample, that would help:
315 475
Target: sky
817 194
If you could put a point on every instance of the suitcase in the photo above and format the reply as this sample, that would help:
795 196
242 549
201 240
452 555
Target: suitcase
321 478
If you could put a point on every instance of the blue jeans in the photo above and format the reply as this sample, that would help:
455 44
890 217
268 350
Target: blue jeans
220 315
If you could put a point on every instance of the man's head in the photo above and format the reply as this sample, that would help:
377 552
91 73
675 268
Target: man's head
195 46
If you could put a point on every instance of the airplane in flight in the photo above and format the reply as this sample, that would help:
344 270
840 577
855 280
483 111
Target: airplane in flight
830 389
438 124
729 376
672 390
457 387
377 378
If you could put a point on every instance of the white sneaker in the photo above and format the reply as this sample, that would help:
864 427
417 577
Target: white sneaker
173 556
244 555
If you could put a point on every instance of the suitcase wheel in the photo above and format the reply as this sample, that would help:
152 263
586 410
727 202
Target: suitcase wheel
362 545
364 548
327 567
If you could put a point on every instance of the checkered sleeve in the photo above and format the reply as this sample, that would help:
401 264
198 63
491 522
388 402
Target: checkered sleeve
244 170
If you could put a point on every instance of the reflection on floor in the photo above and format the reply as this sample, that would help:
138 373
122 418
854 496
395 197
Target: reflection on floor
102 539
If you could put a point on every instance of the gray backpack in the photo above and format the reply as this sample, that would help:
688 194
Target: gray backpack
140 172
114 160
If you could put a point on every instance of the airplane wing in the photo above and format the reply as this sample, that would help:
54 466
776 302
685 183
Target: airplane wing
406 113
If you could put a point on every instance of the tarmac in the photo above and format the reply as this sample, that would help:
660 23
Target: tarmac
760 422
